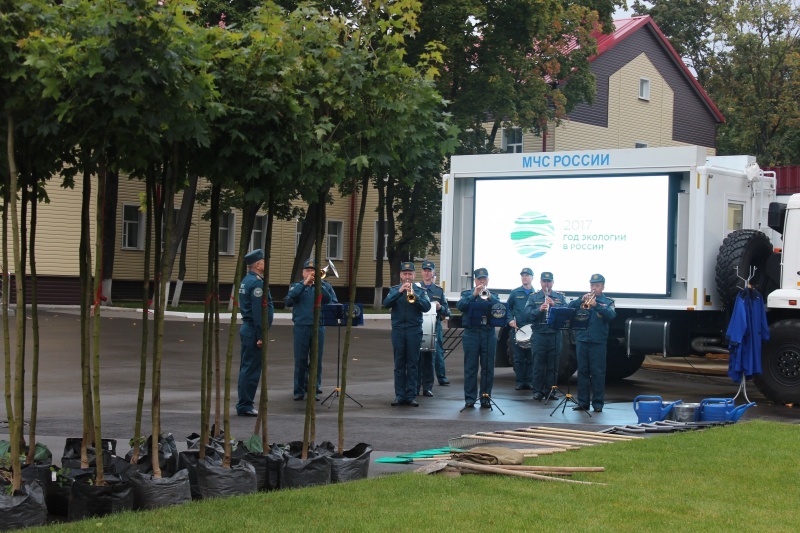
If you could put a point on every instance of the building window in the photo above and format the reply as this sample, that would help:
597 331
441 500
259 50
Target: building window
644 89
226 233
512 140
639 144
375 243
132 227
334 239
299 231
258 234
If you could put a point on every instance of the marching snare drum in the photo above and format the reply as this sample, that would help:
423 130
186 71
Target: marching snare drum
523 336
429 331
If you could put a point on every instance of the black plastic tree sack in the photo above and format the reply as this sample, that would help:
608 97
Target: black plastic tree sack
87 499
214 481
72 452
58 488
350 465
167 455
151 493
25 508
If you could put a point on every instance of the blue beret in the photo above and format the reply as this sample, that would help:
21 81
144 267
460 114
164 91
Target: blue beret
481 273
547 276
309 264
527 271
597 278
407 266
428 264
255 255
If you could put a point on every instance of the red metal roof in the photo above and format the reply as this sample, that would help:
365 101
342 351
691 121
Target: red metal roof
624 28
788 179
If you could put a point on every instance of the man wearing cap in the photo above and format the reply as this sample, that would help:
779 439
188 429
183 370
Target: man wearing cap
479 340
300 299
523 359
426 358
406 333
546 341
251 303
591 349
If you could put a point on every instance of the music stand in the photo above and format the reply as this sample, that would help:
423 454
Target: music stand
336 314
565 400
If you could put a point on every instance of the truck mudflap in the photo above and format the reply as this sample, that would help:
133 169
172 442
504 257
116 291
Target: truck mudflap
780 363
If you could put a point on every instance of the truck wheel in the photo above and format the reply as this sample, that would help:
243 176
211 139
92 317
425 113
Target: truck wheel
504 353
567 359
619 365
743 248
780 363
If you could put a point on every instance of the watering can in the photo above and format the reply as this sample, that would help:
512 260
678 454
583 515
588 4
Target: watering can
722 410
652 408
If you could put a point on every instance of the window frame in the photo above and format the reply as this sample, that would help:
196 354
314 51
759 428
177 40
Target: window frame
506 145
139 228
256 229
644 89
229 246
375 243
339 236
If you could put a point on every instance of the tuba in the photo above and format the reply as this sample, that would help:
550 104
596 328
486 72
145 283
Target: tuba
324 271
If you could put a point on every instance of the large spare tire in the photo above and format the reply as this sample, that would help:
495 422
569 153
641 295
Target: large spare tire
780 363
745 249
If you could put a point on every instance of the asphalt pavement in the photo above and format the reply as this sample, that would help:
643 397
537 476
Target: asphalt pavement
368 416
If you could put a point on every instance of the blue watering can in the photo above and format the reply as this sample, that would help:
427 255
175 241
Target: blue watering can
652 408
722 410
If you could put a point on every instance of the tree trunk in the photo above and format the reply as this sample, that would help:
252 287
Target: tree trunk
34 331
96 322
86 303
309 429
378 296
181 233
351 305
109 234
261 423
306 243
212 299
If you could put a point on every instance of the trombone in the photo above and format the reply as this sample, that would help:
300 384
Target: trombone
324 272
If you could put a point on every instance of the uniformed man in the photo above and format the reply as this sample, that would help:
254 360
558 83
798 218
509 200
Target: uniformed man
592 345
479 342
546 341
251 303
406 333
523 359
426 358
300 299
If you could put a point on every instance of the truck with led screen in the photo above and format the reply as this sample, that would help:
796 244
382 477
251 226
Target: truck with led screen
676 234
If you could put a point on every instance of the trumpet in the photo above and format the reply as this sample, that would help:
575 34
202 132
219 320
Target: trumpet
410 296
324 271
585 304
485 294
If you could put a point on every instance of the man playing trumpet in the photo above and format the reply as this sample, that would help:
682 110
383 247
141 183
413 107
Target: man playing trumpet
546 341
300 299
407 303
591 349
479 341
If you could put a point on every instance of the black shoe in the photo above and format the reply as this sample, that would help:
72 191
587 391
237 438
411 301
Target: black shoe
397 402
413 403
579 408
251 412
598 409
319 391
444 382
469 404
527 386
428 393
485 405
518 387
298 397
538 397
316 398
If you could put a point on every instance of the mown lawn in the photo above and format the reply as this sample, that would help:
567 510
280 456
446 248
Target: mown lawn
737 478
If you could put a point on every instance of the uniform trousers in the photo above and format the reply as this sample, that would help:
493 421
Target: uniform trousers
591 374
405 345
249 368
302 357
479 349
546 348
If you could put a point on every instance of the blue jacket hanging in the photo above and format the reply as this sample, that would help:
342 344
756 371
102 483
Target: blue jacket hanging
747 329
